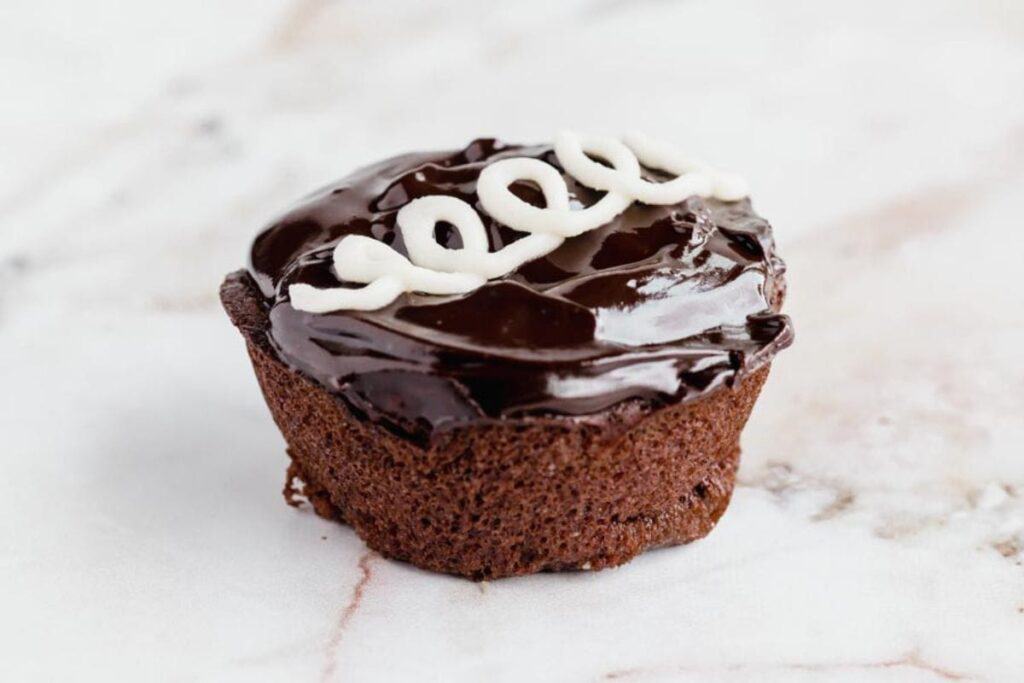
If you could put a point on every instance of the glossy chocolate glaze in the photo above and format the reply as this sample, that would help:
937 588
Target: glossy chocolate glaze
663 304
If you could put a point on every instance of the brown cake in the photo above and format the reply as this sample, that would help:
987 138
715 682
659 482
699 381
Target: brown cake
567 415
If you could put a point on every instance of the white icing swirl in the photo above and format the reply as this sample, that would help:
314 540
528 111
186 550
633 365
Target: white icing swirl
434 269
386 274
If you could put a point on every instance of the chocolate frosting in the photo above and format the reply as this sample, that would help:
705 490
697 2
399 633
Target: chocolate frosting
663 304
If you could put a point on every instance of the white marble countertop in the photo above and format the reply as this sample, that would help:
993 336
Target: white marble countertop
877 532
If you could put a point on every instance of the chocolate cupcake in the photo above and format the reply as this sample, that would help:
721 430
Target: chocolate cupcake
509 359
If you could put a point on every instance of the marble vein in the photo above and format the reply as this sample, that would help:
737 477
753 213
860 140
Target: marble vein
911 660
347 614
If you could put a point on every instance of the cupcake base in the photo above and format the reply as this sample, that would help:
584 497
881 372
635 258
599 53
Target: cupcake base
512 497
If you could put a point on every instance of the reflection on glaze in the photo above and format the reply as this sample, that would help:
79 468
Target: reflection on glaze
689 291
656 375
670 308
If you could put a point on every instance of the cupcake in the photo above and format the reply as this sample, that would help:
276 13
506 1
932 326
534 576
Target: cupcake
509 359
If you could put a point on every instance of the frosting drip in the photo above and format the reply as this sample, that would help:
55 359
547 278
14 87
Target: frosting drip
662 304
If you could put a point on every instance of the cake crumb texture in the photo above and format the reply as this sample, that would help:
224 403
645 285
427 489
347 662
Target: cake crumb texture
512 497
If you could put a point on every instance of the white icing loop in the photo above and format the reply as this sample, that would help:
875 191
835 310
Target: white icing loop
722 185
377 294
435 269
418 218
572 151
388 274
556 218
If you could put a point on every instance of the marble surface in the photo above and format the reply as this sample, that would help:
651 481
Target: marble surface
877 533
